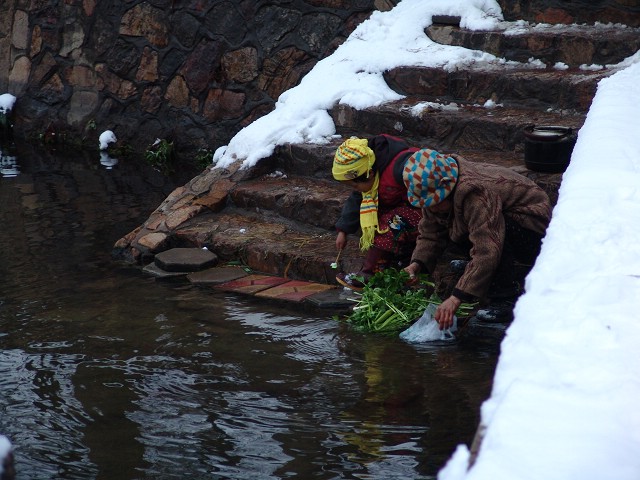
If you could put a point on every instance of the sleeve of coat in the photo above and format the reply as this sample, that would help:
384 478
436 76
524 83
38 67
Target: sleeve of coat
349 221
432 239
482 213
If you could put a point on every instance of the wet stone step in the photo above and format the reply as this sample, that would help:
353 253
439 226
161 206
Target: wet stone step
453 128
273 247
280 289
236 279
218 275
573 45
317 202
185 259
538 88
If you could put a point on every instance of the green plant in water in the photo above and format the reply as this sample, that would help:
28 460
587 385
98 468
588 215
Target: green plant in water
241 264
388 305
204 158
160 156
122 150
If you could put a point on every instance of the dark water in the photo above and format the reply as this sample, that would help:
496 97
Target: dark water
106 373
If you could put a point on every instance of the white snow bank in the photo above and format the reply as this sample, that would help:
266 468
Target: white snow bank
565 397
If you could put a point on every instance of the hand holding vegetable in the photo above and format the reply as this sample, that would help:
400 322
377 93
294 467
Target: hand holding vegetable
413 270
445 312
341 241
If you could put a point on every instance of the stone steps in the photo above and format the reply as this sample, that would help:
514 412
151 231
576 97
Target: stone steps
517 86
573 45
269 243
576 11
311 201
452 128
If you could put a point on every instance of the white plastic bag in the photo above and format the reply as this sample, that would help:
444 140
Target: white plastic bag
426 329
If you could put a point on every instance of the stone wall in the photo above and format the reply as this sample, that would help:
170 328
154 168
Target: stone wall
193 71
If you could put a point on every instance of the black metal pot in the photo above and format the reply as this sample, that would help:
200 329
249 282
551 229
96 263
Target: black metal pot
548 148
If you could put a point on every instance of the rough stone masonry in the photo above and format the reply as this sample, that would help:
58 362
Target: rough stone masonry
192 72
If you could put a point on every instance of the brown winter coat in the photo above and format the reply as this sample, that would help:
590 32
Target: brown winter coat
483 196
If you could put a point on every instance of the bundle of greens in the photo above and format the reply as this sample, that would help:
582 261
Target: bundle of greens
388 304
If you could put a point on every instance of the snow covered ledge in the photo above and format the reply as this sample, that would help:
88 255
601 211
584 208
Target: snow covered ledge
565 397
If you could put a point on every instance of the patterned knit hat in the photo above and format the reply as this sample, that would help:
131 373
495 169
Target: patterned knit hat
352 159
429 177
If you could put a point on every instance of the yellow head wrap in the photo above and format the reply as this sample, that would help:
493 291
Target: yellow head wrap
353 159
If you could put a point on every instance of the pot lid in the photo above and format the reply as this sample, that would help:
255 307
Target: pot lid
547 132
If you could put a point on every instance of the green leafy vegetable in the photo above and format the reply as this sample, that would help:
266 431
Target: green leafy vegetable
388 304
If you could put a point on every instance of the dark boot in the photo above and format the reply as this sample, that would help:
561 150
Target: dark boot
496 312
375 261
503 294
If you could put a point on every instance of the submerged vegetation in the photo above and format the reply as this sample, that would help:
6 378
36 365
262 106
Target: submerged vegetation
388 304
160 156
203 158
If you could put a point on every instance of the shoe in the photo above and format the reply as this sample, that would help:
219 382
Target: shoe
501 312
458 266
351 281
375 261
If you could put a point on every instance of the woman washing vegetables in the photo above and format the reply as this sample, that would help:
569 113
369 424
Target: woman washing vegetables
500 215
378 206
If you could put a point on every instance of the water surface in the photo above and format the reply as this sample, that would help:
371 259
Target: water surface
107 373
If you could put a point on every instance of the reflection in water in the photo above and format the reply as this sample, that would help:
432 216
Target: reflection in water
107 161
8 163
106 373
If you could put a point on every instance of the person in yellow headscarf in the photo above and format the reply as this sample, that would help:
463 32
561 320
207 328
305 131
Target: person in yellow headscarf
378 207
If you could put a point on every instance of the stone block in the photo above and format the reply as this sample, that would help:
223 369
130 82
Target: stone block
143 20
82 106
178 217
293 291
177 93
153 241
20 31
151 100
241 65
333 298
156 271
223 105
252 284
198 73
216 199
185 259
19 75
217 275
72 39
148 69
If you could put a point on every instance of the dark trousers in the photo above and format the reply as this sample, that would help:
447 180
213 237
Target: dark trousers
520 250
